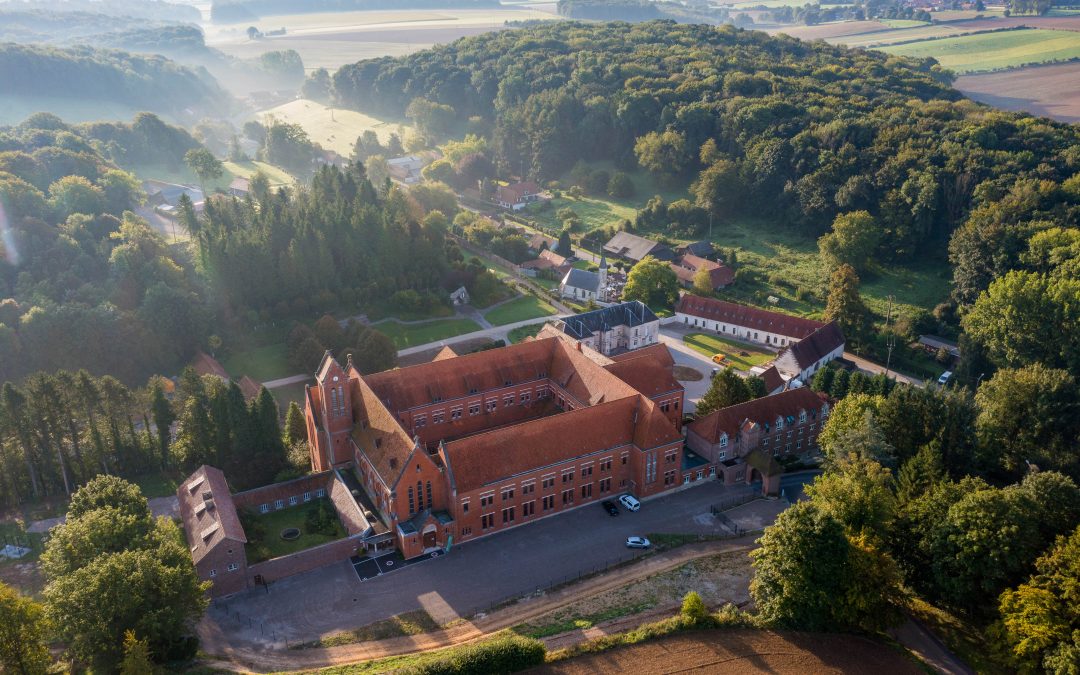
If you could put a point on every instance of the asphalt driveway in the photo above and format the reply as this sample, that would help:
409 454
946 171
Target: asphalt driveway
474 575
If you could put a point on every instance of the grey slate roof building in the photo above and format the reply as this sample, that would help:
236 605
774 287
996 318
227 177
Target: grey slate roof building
632 247
629 314
584 279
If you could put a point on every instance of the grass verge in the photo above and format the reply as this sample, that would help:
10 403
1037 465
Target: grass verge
405 335
409 623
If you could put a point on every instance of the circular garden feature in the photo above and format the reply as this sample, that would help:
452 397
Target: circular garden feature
290 533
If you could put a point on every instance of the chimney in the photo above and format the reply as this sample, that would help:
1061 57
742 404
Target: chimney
578 343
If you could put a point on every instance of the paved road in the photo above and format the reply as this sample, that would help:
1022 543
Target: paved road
473 575
874 368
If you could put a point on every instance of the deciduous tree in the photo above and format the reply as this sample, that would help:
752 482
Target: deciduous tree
652 282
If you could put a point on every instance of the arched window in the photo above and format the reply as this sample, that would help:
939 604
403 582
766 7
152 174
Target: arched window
420 494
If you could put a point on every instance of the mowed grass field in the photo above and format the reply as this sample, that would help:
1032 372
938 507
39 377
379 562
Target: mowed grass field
405 335
995 51
710 345
520 309
335 129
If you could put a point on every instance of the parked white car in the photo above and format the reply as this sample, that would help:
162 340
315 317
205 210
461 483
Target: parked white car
637 542
629 503
944 379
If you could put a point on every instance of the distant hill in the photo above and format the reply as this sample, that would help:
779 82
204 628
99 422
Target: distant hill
144 81
639 10
232 11
139 9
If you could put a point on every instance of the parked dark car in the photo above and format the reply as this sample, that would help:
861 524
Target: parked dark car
610 507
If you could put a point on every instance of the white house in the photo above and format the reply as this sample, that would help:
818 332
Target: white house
745 323
583 285
802 359
612 330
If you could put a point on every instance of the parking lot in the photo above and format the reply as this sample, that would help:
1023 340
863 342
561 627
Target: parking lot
475 574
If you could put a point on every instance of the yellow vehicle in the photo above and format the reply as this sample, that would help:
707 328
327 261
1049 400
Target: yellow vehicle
719 358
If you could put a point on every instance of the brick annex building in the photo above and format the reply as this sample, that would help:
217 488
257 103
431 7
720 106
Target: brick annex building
465 446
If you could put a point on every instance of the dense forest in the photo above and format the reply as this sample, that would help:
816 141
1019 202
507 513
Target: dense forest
158 10
640 10
148 82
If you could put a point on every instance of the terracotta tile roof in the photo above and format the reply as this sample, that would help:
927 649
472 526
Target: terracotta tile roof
553 257
813 347
378 433
446 352
487 457
537 239
653 428
646 374
762 410
773 379
687 266
204 364
447 379
538 264
658 352
586 381
513 194
748 317
208 512
250 388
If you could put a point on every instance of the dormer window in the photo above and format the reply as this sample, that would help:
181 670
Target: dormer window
802 417
779 423
723 440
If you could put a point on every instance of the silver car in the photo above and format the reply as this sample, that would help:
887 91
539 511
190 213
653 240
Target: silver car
637 542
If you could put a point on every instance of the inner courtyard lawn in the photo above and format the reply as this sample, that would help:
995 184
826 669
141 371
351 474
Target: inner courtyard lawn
710 345
520 309
271 545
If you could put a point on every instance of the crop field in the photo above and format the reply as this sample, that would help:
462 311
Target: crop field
332 39
995 51
1052 90
333 128
830 31
887 37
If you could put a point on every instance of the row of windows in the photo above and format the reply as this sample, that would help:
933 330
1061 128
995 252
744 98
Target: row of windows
232 568
293 500
439 416
724 437
547 503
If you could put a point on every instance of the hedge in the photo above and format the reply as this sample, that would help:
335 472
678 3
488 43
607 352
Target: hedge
505 654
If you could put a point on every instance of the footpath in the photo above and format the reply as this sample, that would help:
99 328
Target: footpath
248 659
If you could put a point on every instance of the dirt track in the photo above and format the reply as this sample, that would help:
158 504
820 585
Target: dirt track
743 651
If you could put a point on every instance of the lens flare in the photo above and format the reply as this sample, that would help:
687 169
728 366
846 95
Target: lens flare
7 239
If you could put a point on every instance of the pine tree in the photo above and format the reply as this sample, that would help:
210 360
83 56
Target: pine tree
295 425
845 305
136 656
163 415
919 473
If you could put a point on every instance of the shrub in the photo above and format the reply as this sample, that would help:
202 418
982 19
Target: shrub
504 654
693 608
321 519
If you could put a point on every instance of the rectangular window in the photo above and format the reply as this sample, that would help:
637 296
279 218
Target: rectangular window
586 491
624 460
525 396
549 502
670 457
528 488
812 427
527 509
307 497
279 504
419 421
669 477
507 494
568 497
542 393
464 505
466 531
508 515
412 505
233 567
455 414
549 482
474 408
487 521
722 454
213 573
605 464
605 485
586 471
486 500
438 417
294 500
665 406
320 493
568 476
492 405
264 508
508 400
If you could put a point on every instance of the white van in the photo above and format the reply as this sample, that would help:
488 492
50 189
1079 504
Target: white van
629 503
944 379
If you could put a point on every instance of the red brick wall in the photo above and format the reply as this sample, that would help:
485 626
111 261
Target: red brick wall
303 561
217 561
294 488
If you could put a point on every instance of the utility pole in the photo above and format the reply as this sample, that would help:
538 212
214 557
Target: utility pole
890 339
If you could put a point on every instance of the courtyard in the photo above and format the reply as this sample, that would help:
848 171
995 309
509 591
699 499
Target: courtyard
292 529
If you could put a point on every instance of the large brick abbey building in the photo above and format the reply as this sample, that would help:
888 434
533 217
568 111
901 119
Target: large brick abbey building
464 446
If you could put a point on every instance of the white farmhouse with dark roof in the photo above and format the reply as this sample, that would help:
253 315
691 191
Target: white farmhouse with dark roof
584 285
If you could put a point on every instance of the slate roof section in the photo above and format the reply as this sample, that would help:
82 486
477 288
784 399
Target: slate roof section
589 281
630 314
762 410
702 249
813 347
795 327
208 512
633 247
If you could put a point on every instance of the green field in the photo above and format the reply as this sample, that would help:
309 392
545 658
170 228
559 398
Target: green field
995 51
520 309
181 174
273 546
261 364
405 335
888 37
333 128
710 345
159 483
594 213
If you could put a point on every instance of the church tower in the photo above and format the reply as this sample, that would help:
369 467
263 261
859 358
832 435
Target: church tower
333 417
601 291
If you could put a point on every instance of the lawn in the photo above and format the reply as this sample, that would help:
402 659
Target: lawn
520 309
594 212
271 545
710 345
333 128
159 483
290 393
520 333
277 176
182 174
405 335
995 51
262 364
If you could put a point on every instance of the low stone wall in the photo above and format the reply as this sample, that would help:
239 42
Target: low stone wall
295 488
303 561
